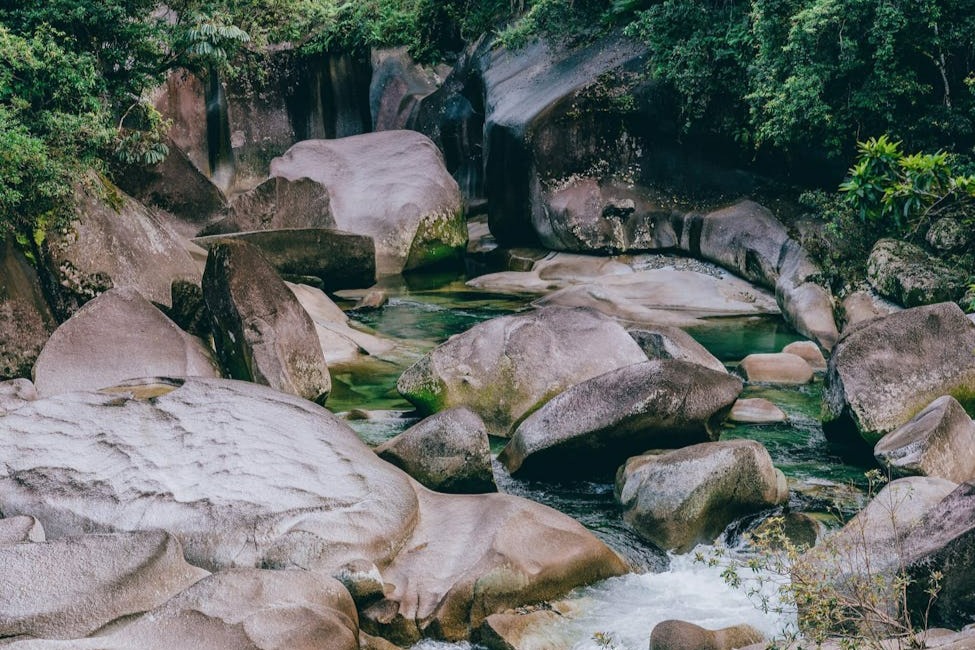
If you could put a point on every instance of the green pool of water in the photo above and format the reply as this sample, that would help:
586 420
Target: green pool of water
423 312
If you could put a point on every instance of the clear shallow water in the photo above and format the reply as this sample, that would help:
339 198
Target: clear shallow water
423 312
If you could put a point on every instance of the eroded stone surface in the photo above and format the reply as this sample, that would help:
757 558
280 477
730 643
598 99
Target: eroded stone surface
70 587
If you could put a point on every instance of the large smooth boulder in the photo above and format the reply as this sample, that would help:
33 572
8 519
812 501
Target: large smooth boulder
756 410
117 336
808 351
341 260
939 441
26 321
261 331
242 609
70 587
909 276
414 211
115 242
861 561
680 635
447 452
887 370
177 458
245 476
685 497
506 368
600 422
776 368
471 556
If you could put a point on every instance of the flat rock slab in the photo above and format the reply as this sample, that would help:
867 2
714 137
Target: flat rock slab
505 368
340 342
243 475
242 609
341 260
602 421
70 587
663 342
117 336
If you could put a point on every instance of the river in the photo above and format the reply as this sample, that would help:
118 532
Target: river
618 613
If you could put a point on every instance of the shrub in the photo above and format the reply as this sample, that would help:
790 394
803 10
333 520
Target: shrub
898 194
836 590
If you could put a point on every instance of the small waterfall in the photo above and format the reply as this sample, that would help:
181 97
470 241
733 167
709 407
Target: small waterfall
220 153
462 137
344 94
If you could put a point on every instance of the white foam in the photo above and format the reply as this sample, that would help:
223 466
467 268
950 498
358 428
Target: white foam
624 610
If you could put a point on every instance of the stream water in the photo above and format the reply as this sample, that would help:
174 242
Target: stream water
423 311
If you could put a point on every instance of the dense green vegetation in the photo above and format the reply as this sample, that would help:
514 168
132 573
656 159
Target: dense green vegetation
801 78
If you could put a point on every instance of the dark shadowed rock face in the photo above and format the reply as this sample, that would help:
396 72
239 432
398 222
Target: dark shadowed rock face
279 203
506 368
939 441
684 497
944 540
26 321
117 336
177 185
447 452
413 210
261 331
598 423
245 476
885 371
341 260
909 276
